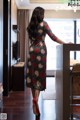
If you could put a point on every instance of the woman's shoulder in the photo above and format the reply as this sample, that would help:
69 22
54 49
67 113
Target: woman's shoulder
43 23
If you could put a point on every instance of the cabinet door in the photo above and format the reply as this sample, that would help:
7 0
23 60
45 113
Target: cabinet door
18 76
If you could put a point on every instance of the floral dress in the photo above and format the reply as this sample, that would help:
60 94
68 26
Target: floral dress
36 64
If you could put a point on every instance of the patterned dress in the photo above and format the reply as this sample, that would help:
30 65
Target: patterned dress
36 64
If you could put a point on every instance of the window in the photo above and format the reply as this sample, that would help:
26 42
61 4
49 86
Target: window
64 29
78 38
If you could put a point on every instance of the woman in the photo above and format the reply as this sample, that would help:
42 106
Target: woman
36 66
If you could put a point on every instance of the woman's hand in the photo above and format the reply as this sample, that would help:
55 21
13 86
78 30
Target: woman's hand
70 43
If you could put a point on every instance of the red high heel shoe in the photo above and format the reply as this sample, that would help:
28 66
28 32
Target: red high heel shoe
36 109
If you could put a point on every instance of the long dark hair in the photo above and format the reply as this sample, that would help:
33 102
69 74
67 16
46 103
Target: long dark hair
37 17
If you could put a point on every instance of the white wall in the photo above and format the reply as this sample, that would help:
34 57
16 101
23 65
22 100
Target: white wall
13 22
1 40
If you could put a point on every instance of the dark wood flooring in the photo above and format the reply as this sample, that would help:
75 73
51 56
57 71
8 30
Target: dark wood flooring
18 106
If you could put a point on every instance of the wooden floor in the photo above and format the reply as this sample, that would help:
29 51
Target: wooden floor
18 106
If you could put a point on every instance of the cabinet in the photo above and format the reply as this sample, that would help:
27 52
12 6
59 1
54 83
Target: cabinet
18 76
63 81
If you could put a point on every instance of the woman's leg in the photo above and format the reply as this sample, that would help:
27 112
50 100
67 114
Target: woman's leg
34 107
35 94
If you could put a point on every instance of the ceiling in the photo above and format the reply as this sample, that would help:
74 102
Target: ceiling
46 4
